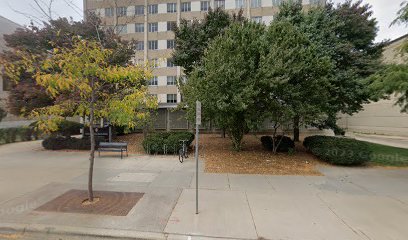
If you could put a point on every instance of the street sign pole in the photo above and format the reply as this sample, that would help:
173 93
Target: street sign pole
198 123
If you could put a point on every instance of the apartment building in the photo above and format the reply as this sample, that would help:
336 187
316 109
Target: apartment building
150 24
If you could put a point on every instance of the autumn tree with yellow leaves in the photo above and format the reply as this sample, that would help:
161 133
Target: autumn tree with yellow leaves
97 89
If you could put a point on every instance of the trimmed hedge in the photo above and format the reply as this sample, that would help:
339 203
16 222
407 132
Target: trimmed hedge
286 143
60 142
10 135
339 150
166 142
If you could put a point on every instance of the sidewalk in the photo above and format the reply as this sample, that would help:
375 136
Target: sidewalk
346 203
393 141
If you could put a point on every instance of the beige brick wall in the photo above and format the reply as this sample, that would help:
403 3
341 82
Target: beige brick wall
381 117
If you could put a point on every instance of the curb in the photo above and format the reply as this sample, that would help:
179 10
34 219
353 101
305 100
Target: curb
80 231
14 229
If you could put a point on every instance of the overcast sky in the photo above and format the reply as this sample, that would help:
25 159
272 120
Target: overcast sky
384 11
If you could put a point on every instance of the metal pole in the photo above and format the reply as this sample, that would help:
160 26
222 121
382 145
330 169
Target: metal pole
196 158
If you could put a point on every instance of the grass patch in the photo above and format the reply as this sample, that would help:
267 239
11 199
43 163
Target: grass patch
388 156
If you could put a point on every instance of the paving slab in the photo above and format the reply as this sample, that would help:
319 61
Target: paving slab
161 164
296 185
173 179
150 214
211 181
287 216
376 217
221 214
134 177
247 182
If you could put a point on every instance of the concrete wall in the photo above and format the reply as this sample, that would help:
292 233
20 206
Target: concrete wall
380 117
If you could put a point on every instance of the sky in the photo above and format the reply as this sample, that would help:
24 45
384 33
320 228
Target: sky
385 12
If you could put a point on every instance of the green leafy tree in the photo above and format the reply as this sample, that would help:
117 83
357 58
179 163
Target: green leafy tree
193 38
226 82
402 16
393 78
346 34
292 71
101 90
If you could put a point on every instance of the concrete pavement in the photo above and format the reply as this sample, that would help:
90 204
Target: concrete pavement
345 203
393 141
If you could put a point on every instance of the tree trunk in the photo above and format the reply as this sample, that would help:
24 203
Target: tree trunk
92 136
236 137
223 132
296 133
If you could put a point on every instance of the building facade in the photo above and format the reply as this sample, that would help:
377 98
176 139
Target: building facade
6 27
150 24
381 117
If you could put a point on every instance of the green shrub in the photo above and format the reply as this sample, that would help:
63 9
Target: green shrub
166 142
10 135
26 134
285 143
61 142
65 128
338 150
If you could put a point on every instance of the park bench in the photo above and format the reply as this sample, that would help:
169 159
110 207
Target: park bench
113 147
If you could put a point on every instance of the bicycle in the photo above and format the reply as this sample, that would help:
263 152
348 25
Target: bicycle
183 151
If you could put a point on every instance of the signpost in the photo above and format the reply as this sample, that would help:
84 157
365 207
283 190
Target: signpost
198 123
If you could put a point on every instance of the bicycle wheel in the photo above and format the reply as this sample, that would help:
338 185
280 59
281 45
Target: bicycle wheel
181 155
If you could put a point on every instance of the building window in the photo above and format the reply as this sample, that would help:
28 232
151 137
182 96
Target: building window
139 61
170 62
239 3
171 98
121 29
171 7
276 3
121 11
256 3
153 81
108 12
153 45
257 19
171 80
155 62
186 7
219 4
153 27
140 45
171 26
139 27
153 9
139 10
205 5
171 44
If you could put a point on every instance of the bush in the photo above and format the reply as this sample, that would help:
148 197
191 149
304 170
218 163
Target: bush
60 142
10 135
65 128
338 150
285 143
166 142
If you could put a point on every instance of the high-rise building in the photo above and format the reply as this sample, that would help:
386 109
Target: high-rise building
150 24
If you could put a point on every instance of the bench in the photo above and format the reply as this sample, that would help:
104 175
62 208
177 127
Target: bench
113 147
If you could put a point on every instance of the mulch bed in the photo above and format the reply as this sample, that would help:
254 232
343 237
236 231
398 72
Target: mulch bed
253 159
110 203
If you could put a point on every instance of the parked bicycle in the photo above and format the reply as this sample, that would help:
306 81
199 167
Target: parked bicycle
183 151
